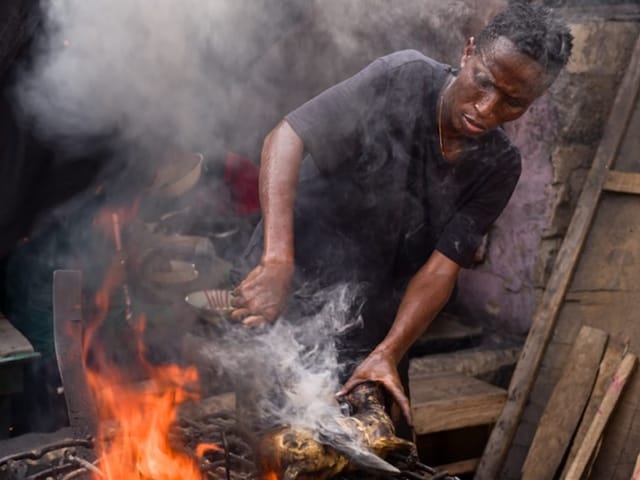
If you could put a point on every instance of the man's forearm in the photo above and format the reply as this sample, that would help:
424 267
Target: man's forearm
279 172
427 293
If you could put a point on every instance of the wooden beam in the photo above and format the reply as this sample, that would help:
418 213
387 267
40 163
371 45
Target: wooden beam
623 182
544 318
592 438
451 401
564 409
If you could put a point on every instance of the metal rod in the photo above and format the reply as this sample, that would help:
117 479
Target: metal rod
117 236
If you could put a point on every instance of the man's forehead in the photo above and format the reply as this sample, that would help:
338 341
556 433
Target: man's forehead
513 70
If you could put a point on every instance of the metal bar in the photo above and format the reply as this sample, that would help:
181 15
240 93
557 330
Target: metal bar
68 335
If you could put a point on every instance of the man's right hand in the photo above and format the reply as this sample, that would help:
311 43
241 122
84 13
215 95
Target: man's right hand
262 295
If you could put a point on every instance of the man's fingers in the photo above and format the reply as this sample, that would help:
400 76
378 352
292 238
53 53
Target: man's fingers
254 320
402 401
348 386
237 301
240 313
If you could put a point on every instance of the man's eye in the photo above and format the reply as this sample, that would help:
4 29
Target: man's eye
482 81
515 102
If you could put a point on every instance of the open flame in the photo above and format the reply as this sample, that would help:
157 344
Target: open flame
134 419
135 422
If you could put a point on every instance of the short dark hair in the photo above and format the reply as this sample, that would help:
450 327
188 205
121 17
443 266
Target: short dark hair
535 30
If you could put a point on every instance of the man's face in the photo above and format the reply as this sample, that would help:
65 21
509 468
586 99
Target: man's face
496 84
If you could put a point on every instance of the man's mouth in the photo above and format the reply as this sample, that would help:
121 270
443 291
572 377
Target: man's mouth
472 125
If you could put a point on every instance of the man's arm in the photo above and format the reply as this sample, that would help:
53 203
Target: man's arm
427 293
262 295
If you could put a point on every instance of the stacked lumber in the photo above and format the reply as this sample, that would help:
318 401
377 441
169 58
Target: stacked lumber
583 400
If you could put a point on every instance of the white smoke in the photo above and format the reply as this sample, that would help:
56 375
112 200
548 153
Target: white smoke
161 70
192 73
291 369
438 29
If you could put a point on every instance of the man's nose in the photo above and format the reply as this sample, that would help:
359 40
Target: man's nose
486 105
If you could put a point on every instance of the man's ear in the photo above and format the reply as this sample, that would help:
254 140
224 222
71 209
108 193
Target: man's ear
469 49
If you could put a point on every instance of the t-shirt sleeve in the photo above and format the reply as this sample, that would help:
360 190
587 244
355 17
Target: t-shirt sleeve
332 125
463 234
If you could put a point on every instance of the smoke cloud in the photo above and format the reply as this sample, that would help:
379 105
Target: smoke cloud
149 71
195 73
291 370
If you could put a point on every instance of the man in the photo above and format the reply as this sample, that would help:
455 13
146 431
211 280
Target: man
407 168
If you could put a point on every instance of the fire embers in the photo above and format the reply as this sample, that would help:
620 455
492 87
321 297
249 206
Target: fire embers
357 442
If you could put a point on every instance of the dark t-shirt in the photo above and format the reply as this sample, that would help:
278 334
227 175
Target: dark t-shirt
376 197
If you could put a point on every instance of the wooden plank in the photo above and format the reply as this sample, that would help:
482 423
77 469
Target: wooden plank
564 409
470 362
546 313
12 342
610 361
458 468
450 401
592 438
623 182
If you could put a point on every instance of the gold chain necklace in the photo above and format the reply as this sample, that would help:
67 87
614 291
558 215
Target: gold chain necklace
440 103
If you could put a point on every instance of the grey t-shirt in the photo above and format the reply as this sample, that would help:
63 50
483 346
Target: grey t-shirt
376 197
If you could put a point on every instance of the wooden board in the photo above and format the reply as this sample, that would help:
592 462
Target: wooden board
610 361
592 441
458 468
623 182
564 409
471 362
446 333
451 401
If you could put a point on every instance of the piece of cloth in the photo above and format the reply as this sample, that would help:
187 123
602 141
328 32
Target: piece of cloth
241 177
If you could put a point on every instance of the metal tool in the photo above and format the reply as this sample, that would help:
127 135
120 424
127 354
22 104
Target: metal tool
68 334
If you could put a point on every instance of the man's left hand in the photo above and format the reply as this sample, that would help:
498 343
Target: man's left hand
380 367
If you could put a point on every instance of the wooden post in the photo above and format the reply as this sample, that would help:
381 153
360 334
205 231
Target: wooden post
545 316
591 439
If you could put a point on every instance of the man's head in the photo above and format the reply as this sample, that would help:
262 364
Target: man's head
535 31
511 63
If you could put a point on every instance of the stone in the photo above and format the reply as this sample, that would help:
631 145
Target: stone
546 258
566 158
575 184
601 47
583 102
559 213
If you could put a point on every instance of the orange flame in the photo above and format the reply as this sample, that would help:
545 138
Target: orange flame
270 476
134 420
206 447
138 447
